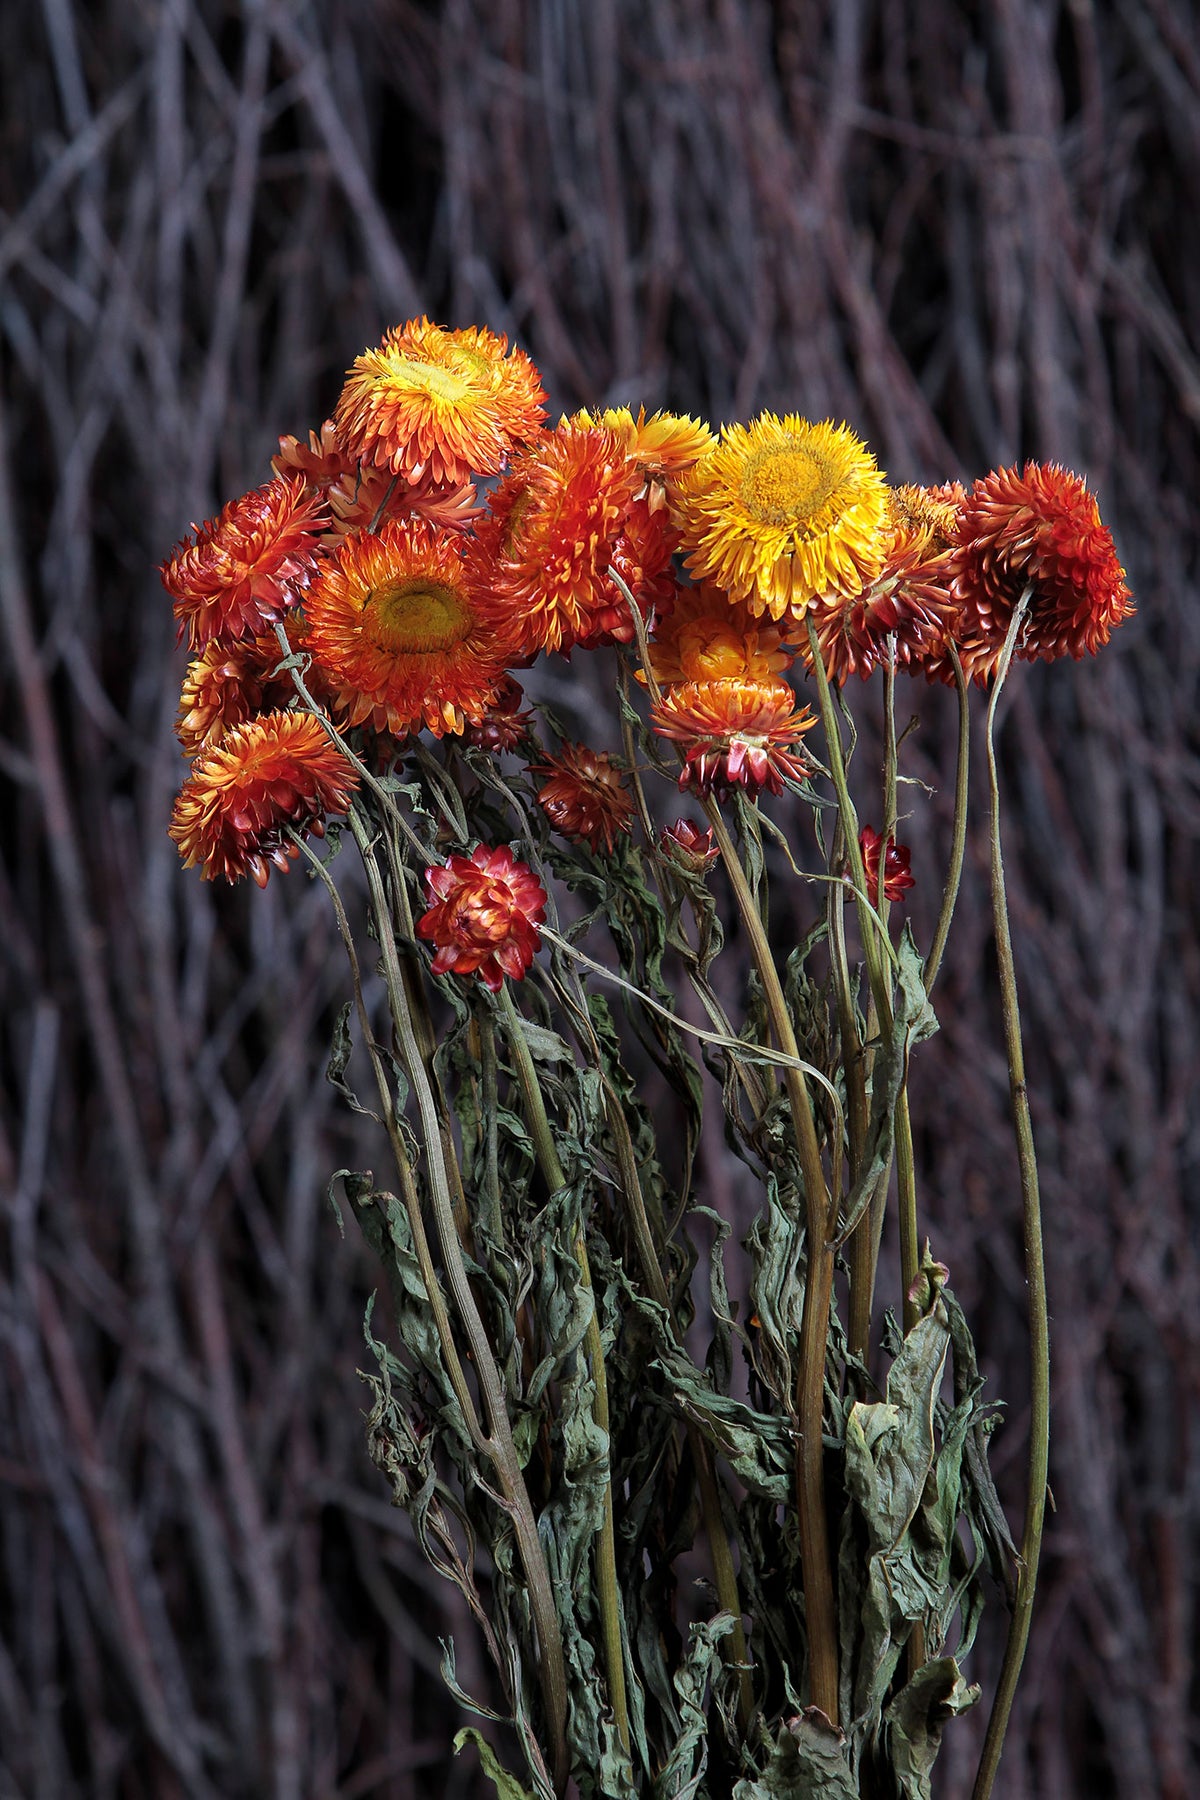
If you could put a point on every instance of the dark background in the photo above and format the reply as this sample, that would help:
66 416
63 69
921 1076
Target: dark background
968 230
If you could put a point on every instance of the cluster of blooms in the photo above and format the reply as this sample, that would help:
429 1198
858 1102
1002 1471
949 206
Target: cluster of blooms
412 599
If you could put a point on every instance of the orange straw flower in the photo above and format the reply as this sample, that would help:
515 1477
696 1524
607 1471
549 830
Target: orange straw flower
446 403
585 797
483 914
707 637
393 625
1041 528
734 733
782 510
247 566
226 685
266 774
543 553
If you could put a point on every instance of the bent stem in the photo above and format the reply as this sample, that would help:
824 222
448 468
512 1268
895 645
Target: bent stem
607 1590
499 1445
1039 1326
819 1605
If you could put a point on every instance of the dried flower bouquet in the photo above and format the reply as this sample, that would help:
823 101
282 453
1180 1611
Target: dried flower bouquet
569 1403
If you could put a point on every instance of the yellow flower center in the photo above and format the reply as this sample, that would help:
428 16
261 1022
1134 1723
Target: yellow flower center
786 484
416 617
450 386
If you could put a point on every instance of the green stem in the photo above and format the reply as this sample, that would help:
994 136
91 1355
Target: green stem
1035 1272
607 1589
958 847
819 1603
499 1446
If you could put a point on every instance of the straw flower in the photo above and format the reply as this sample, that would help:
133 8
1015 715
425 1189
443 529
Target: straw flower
734 733
504 724
483 915
707 637
246 567
685 843
446 403
226 685
266 774
1039 527
585 797
782 510
897 875
543 553
394 627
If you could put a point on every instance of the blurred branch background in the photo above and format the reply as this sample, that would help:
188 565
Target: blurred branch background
969 231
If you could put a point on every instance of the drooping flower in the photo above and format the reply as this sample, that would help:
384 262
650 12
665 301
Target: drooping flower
266 774
483 914
782 510
897 871
438 402
248 566
226 685
910 600
1039 527
543 553
394 626
585 796
735 732
504 725
685 843
708 637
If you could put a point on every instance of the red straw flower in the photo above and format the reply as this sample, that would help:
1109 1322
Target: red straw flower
504 724
897 878
247 566
686 844
483 914
585 797
1038 528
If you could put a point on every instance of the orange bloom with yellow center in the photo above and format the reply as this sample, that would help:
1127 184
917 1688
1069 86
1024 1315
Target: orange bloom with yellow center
273 772
910 601
226 685
544 552
585 797
483 914
735 733
246 567
438 402
709 637
1038 528
781 511
393 625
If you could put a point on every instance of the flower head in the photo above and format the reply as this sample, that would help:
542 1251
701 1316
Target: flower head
664 446
504 725
226 685
366 497
246 567
321 461
393 624
685 843
641 555
446 403
708 637
781 510
544 552
897 875
483 914
909 601
1038 528
735 732
585 797
264 775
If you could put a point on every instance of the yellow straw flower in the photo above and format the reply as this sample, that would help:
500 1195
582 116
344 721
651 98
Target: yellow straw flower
781 510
